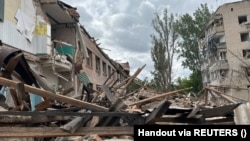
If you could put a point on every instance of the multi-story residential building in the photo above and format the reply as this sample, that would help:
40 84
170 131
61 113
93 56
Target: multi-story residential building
225 50
62 56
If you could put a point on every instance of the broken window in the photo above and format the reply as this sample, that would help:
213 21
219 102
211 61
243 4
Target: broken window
97 64
242 19
223 55
118 76
1 10
109 70
89 59
244 37
248 71
104 68
114 74
222 73
212 76
246 53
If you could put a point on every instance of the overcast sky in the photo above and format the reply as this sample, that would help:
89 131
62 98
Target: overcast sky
123 27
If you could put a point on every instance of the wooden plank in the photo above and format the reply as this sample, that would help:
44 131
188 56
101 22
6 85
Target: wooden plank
158 112
76 123
120 84
157 97
206 97
223 95
117 105
219 111
108 93
43 105
29 120
65 99
53 96
57 132
109 78
133 77
67 113
224 121
94 121
20 92
195 110
13 63
21 95
14 97
181 118
128 80
228 86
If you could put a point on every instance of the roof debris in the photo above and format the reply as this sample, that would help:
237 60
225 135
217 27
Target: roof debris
110 115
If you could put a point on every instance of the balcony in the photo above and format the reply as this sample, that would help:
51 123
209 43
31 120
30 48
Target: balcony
216 31
221 45
219 65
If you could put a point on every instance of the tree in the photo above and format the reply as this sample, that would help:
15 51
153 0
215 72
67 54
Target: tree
163 49
192 81
189 29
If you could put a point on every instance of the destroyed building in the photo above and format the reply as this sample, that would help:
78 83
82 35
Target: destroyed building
61 54
224 49
56 83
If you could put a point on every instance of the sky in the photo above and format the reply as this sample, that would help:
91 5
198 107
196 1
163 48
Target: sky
123 28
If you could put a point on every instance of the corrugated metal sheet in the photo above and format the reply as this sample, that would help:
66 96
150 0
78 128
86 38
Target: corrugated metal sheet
242 114
66 50
9 35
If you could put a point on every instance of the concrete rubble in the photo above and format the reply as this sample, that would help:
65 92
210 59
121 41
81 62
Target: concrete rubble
52 90
73 119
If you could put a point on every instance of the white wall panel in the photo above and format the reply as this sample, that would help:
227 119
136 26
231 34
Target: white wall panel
9 35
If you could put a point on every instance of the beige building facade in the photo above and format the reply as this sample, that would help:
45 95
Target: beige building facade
225 50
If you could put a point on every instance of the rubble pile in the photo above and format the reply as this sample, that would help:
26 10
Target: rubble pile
108 114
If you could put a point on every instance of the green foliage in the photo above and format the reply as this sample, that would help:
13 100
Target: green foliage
136 85
194 81
163 49
132 87
190 28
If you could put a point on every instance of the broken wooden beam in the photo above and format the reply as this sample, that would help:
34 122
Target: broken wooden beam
228 86
117 105
11 65
223 95
179 119
112 98
157 97
67 113
53 96
43 105
17 119
76 123
133 77
57 132
219 111
158 112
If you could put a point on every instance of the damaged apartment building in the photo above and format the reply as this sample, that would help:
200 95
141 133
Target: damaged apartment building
225 50
52 50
